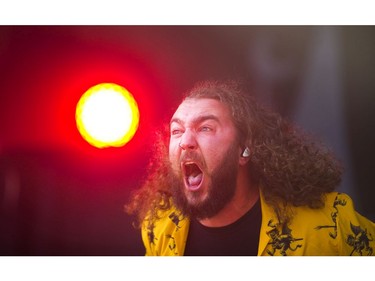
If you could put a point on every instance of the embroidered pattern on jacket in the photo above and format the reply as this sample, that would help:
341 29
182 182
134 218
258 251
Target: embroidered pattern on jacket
341 202
172 244
151 234
360 241
281 242
176 219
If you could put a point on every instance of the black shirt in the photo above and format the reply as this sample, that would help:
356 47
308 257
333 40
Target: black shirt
240 238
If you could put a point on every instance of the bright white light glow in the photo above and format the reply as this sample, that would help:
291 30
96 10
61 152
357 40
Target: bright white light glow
107 115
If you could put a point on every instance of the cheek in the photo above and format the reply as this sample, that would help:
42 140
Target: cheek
216 153
212 157
174 156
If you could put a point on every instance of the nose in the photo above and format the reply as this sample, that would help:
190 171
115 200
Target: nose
188 141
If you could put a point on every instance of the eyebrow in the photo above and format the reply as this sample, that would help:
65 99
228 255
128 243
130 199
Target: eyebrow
197 120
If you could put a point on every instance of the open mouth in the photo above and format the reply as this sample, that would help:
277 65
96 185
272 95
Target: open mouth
193 175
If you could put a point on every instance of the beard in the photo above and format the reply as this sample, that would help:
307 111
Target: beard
219 192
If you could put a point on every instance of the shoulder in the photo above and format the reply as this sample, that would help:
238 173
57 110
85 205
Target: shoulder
344 206
335 229
357 231
339 208
340 223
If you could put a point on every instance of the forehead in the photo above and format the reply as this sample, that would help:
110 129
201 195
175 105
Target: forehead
194 108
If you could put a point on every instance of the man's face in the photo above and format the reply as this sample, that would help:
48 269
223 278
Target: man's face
204 156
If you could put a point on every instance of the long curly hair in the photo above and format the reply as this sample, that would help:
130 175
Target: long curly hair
290 167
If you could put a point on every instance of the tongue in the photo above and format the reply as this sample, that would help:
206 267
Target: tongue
195 180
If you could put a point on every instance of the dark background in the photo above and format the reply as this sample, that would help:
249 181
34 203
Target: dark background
60 196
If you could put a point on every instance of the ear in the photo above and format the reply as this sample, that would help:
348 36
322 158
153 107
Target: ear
245 156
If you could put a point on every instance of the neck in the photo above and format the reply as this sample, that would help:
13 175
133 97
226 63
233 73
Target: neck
245 197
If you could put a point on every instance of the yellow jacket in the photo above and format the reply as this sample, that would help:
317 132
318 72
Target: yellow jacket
335 230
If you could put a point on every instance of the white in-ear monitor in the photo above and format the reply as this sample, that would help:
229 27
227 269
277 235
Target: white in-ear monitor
246 152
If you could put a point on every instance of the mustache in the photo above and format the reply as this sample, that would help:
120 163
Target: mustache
193 156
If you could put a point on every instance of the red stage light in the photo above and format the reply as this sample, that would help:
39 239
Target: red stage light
107 115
